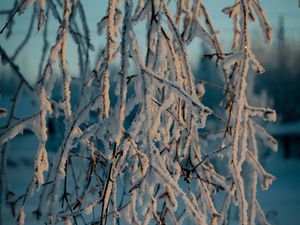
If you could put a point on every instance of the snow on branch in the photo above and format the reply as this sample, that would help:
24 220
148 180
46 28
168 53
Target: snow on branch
129 140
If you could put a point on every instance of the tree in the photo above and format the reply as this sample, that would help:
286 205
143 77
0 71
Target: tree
281 72
138 154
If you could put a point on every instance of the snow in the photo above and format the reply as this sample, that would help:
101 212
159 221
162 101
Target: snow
41 165
281 202
90 207
17 128
231 11
231 60
156 156
22 216
172 198
25 4
67 95
200 89
106 100
42 16
265 25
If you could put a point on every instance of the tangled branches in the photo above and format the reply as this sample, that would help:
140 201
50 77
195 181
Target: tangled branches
132 150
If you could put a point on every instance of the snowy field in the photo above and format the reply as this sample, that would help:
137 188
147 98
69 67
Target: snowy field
281 202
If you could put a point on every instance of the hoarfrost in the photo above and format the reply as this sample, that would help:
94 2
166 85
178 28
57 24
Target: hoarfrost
22 216
137 152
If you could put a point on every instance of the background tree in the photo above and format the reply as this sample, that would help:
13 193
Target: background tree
281 71
136 153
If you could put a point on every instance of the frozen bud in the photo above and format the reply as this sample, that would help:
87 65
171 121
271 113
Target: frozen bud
89 209
270 115
267 180
200 89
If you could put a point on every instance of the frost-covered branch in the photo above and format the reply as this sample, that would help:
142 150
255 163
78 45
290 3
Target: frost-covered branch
134 143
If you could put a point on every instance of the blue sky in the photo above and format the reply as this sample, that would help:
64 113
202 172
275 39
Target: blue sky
96 9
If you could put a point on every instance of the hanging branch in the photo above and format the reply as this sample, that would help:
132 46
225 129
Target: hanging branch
135 144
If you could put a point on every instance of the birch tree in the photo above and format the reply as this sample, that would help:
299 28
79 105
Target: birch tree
136 147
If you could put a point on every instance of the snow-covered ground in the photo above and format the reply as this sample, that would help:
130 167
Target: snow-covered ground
281 202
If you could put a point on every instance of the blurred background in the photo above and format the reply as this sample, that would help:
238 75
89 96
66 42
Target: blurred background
278 87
